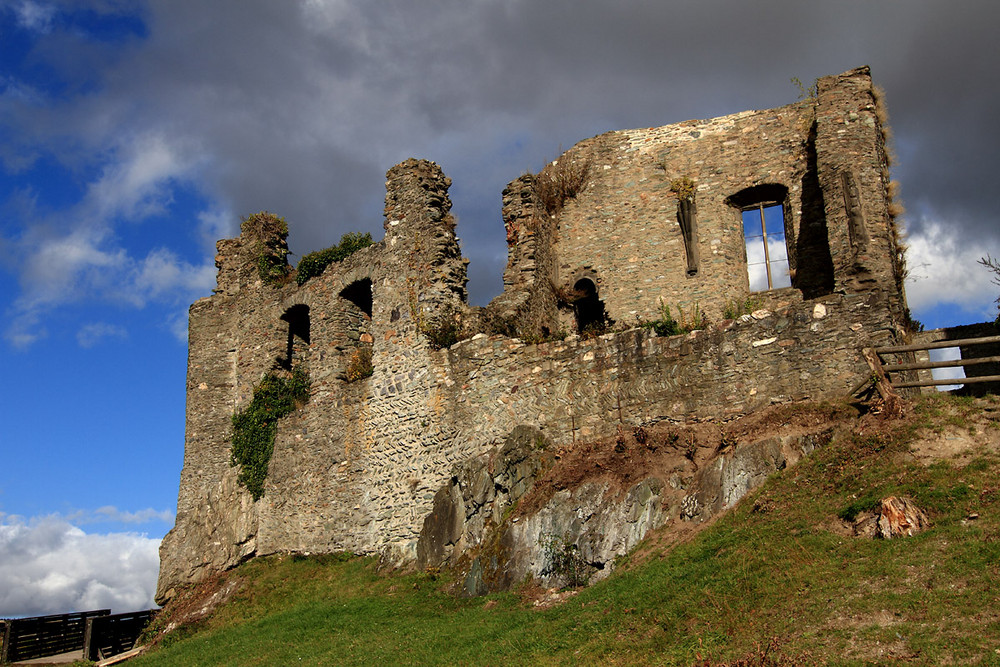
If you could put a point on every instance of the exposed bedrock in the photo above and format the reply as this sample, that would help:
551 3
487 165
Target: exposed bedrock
529 510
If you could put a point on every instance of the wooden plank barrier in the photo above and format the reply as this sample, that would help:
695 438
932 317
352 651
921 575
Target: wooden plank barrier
41 636
106 636
928 365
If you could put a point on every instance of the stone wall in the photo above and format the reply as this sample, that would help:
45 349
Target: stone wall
825 156
358 467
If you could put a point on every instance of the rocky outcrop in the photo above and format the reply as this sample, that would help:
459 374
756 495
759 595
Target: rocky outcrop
532 511
734 474
211 538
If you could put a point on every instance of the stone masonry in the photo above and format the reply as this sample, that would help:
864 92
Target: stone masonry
358 466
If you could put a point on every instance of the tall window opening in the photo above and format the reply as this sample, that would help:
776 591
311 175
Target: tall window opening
763 212
355 321
297 318
588 308
767 254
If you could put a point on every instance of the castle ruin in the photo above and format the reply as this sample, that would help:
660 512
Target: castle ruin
787 209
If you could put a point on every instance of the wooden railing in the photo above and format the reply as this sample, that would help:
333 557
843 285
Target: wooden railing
881 369
956 363
110 635
96 634
41 636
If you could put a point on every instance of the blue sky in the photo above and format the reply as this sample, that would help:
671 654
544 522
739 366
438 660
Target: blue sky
133 135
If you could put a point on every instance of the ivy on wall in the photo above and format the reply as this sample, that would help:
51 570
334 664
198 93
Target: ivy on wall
254 426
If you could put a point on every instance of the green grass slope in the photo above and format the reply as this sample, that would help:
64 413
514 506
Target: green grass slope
778 580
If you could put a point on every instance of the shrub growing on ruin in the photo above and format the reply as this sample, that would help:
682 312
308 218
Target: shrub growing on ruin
734 309
698 320
994 266
269 233
359 365
445 334
665 324
565 561
683 188
314 263
255 426
497 324
559 181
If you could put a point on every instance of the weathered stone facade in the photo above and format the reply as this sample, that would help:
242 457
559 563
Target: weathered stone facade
358 467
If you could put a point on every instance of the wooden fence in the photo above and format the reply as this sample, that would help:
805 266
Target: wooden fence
927 365
40 636
96 634
110 635
903 374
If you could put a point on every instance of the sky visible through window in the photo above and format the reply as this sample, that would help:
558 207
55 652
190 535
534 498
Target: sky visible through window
766 224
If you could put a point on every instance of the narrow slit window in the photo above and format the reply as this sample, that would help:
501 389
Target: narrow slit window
297 347
767 255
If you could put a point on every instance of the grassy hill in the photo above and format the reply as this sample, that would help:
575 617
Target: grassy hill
778 580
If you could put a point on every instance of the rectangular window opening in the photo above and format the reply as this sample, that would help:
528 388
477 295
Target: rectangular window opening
767 255
952 373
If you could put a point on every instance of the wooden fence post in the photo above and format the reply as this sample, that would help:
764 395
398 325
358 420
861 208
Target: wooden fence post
882 384
6 641
88 635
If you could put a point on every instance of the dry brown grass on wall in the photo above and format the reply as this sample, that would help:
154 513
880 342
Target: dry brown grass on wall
559 181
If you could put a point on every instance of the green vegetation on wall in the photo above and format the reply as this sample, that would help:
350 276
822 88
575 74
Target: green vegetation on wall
666 325
359 364
271 249
315 263
736 308
255 425
683 187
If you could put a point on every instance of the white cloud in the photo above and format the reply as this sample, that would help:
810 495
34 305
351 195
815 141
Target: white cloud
49 566
25 330
215 225
942 271
136 183
59 268
83 264
35 16
163 272
91 334
178 325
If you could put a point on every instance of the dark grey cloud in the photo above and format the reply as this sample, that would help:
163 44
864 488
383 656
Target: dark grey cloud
300 108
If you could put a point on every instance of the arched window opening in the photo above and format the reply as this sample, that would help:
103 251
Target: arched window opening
297 348
360 294
354 322
588 308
